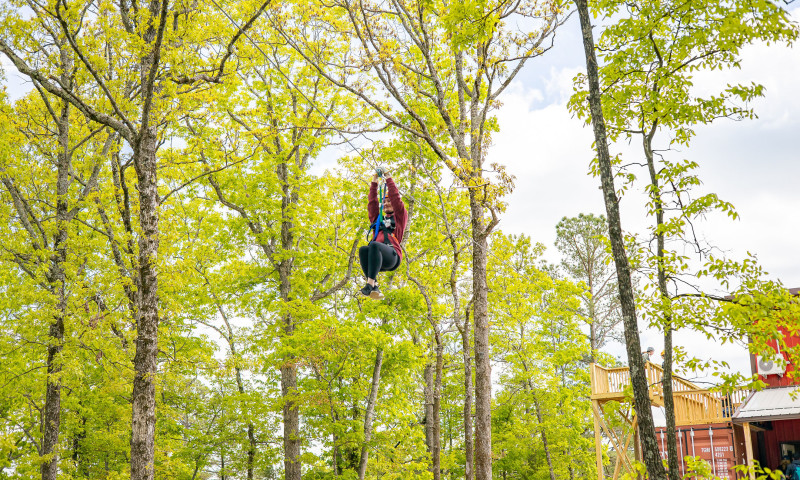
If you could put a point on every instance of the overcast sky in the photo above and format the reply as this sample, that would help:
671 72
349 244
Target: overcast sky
753 164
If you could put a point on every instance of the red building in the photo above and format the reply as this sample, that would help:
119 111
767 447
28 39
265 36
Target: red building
770 418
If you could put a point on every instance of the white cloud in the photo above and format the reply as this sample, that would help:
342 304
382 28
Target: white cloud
548 152
559 84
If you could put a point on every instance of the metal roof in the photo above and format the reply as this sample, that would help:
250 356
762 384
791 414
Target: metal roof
781 403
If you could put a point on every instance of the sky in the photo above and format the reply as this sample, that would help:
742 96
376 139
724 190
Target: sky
753 164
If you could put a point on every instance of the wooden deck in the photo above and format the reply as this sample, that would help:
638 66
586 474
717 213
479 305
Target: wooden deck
693 405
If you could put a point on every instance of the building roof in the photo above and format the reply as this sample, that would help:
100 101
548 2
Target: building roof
771 404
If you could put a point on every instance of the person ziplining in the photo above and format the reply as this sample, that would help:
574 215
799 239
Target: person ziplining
387 217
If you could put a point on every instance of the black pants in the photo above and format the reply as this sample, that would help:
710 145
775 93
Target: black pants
378 257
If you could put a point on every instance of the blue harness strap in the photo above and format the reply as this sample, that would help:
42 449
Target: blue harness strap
382 190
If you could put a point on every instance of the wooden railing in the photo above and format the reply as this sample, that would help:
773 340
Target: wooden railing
614 380
693 405
706 406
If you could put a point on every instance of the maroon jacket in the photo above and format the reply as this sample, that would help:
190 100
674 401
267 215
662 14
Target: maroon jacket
400 215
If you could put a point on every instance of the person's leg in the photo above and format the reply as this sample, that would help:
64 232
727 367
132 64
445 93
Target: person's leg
375 261
363 259
391 260
382 258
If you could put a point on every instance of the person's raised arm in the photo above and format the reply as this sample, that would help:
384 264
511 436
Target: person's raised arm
394 198
372 204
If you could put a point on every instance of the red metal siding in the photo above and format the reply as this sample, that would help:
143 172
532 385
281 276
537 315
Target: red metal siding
782 431
713 443
780 380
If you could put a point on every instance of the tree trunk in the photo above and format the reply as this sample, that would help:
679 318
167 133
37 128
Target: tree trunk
251 437
436 451
483 369
428 374
57 280
669 401
143 422
368 414
669 408
291 410
650 453
544 440
144 402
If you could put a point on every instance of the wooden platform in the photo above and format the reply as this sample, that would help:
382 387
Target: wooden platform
693 405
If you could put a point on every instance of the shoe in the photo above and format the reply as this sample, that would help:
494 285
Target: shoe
375 293
367 289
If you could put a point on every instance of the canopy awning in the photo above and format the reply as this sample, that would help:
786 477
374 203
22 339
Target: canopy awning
781 403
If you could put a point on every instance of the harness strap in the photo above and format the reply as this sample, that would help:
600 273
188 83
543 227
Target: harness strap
378 221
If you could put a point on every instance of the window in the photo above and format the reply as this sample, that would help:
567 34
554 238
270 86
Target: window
789 448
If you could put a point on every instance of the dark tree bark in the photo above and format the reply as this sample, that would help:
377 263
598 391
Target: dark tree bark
57 281
291 409
145 359
669 400
143 428
650 453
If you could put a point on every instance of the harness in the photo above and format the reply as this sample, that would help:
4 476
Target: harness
387 226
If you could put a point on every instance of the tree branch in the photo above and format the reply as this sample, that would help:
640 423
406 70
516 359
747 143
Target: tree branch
65 94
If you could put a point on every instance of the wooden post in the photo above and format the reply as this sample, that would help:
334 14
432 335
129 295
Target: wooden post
598 446
748 448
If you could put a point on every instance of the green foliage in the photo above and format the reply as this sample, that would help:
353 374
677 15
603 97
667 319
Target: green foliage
542 413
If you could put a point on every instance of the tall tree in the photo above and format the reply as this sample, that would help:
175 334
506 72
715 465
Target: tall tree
583 242
135 105
292 120
45 204
541 419
650 454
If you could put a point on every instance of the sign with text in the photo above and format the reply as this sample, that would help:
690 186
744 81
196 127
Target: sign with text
713 443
